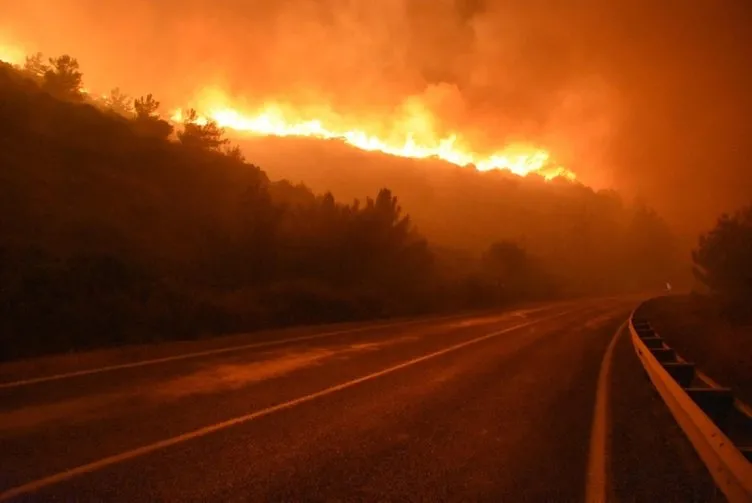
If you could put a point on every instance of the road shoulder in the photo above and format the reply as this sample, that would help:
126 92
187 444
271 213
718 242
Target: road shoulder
650 459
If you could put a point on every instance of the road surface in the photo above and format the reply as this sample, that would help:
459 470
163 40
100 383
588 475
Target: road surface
545 403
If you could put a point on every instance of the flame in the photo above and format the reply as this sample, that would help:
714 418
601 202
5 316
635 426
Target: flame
413 136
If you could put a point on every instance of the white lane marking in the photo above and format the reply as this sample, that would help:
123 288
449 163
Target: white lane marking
147 449
253 345
217 351
596 478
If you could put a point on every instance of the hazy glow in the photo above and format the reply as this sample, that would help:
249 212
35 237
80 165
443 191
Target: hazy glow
11 54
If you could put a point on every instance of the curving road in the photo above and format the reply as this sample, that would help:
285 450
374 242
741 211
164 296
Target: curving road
485 407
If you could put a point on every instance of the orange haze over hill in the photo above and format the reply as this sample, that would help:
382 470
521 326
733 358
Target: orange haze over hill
503 83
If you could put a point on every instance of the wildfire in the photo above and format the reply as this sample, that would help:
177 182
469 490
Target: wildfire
413 136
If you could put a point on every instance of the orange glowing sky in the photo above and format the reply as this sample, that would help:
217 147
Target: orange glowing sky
380 77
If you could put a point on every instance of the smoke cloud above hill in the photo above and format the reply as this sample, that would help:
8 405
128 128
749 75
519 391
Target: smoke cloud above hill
648 97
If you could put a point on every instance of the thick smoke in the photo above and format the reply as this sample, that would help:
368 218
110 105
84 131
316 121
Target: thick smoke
649 97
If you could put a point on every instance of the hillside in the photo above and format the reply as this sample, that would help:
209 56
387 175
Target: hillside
117 227
593 239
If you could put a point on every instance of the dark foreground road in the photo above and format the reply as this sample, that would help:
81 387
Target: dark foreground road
482 408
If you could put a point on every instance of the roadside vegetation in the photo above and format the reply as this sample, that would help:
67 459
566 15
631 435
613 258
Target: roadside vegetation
713 326
118 226
723 264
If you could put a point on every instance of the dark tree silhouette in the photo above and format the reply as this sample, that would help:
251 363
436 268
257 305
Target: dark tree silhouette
64 79
147 121
36 66
146 108
235 153
120 103
723 257
201 134
514 273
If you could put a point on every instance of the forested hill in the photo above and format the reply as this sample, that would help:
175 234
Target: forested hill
117 226
594 240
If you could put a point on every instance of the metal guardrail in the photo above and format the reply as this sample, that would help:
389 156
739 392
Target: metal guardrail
728 466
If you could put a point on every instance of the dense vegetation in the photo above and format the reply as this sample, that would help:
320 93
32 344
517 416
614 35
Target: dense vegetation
115 227
723 263
592 240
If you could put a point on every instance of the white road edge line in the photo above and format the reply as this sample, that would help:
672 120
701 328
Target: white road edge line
596 480
217 351
146 449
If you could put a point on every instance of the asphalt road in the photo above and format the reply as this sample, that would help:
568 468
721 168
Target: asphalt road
492 407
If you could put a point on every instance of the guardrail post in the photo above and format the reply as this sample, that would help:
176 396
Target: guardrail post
664 355
716 403
683 372
653 342
646 331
